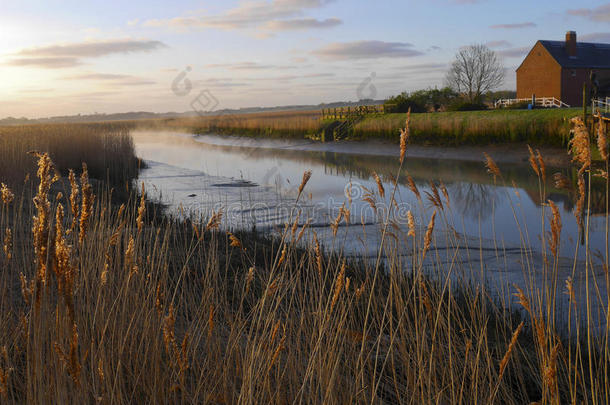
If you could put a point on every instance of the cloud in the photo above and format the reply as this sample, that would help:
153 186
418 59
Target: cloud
250 14
302 24
314 75
603 37
70 55
93 49
514 52
600 13
239 66
499 44
513 26
220 82
424 66
47 63
366 50
252 66
123 80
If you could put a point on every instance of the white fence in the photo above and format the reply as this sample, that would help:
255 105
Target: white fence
545 102
599 105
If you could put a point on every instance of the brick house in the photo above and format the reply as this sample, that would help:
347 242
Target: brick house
560 68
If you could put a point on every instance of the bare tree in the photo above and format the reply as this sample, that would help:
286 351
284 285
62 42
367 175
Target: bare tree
475 71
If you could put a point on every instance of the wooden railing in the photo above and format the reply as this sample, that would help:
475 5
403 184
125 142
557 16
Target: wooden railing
343 113
545 102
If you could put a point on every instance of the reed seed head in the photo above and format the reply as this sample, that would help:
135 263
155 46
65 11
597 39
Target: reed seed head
428 235
379 185
306 177
602 139
491 166
580 147
404 136
411 224
6 194
513 342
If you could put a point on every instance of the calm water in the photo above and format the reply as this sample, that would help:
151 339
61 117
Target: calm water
255 183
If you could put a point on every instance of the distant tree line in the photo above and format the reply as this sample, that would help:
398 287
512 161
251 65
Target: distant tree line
445 99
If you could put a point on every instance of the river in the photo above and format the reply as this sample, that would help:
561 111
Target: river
255 183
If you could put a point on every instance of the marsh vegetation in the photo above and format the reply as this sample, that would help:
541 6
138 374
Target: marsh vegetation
111 302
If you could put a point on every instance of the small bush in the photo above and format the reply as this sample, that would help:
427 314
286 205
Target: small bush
466 106
518 106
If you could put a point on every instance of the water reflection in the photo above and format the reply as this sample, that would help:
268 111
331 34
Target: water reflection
473 200
479 207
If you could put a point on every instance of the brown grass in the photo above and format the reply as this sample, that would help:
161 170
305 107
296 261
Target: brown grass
118 308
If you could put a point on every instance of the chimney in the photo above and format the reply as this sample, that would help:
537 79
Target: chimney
571 43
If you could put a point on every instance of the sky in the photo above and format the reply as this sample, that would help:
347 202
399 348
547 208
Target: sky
65 57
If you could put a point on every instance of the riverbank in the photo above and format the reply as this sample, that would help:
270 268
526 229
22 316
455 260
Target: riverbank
502 153
548 127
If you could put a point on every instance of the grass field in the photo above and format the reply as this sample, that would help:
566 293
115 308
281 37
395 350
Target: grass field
549 127
101 303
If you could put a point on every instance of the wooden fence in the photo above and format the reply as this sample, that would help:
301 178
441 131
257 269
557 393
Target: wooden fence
343 113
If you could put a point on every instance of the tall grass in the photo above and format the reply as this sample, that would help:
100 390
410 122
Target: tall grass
548 127
539 127
107 148
99 304
289 124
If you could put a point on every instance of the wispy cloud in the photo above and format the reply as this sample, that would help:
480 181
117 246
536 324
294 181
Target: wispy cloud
70 55
93 49
252 66
366 50
499 44
315 75
301 24
600 13
239 66
114 79
46 63
424 66
251 14
513 26
514 52
603 37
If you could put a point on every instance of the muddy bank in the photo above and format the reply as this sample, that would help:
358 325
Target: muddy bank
505 153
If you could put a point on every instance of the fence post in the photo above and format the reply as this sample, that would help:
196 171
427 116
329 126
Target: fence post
584 102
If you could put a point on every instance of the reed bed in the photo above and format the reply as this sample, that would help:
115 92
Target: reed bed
101 304
549 127
539 127
107 148
286 124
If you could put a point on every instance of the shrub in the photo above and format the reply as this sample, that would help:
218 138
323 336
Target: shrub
466 106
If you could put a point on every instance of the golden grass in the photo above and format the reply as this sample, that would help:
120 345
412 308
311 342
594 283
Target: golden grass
98 304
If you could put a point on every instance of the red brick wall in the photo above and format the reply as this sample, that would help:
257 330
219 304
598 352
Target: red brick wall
539 74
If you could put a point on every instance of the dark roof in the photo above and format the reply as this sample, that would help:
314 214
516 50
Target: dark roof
588 54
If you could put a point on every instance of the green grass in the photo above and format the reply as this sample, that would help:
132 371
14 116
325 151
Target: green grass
538 127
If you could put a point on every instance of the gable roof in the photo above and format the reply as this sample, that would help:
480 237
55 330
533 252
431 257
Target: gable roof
588 54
